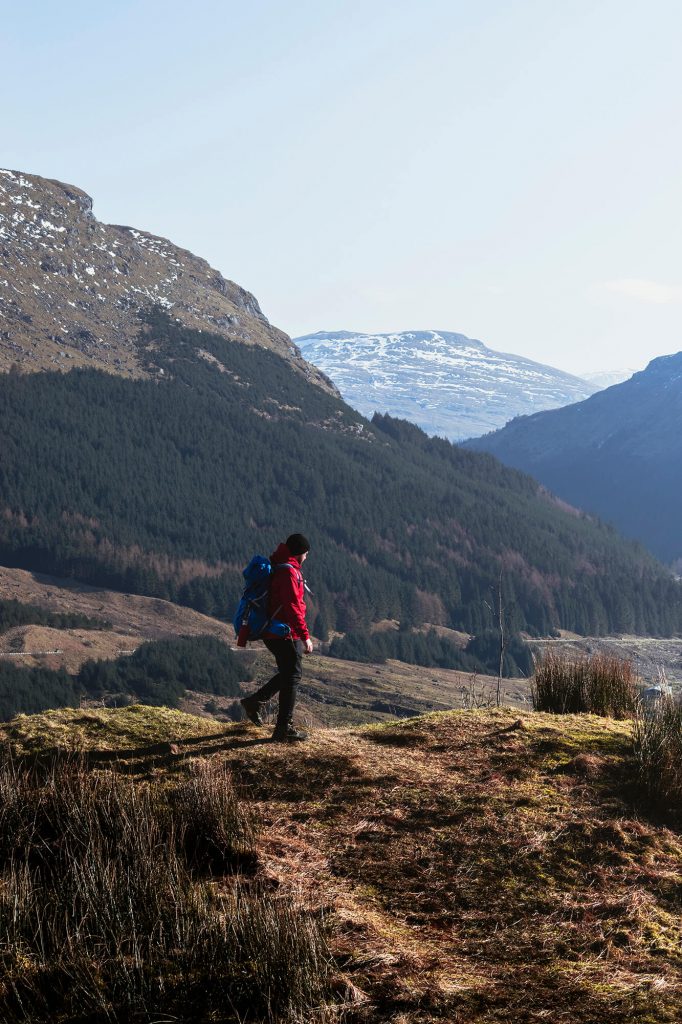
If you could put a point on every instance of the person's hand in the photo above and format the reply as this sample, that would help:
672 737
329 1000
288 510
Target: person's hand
309 646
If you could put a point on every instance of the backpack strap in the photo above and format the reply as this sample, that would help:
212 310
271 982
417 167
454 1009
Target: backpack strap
289 565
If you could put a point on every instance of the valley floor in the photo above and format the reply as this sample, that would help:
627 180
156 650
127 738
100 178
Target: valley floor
334 692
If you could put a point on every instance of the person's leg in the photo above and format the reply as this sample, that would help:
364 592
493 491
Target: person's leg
253 704
289 657
291 670
282 650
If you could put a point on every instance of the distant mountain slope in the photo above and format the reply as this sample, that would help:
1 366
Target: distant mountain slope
448 384
618 454
607 378
166 486
71 288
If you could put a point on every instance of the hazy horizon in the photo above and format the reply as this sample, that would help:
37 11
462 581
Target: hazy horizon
508 172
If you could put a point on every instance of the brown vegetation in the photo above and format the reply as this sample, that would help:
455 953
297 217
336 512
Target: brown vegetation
472 867
32 646
149 616
658 746
119 901
599 684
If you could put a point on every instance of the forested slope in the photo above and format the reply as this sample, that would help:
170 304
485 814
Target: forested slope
166 486
618 454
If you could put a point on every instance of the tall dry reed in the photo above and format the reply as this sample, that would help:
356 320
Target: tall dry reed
597 684
658 749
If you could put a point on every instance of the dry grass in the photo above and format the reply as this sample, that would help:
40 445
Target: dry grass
658 746
111 907
80 729
480 868
599 684
472 867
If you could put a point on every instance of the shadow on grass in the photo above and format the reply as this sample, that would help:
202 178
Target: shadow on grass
297 774
140 760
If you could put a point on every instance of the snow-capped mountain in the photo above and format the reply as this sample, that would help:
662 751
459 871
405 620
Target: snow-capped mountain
446 383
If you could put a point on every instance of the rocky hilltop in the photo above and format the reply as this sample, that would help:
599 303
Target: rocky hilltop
71 288
446 383
463 867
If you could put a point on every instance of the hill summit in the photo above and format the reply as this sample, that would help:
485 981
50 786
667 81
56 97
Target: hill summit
462 867
72 288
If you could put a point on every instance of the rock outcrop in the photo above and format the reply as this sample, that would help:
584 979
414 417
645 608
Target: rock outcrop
72 289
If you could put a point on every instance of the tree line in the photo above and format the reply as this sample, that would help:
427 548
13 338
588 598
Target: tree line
159 673
18 613
481 654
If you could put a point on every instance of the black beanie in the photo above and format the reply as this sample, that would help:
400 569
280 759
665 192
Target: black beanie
298 544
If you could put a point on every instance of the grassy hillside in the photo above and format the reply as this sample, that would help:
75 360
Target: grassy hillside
166 486
469 866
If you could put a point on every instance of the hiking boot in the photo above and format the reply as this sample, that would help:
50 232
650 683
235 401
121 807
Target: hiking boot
251 708
288 735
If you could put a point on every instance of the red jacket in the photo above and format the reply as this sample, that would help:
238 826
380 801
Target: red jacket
287 593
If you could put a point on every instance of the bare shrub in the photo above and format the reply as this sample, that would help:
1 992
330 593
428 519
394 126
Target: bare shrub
658 749
598 684
474 695
110 908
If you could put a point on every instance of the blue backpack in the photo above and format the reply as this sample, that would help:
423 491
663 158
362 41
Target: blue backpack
252 619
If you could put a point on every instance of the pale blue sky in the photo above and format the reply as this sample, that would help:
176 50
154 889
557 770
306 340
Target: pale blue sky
510 170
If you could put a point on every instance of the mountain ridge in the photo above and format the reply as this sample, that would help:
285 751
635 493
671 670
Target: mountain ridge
176 480
618 454
164 476
72 289
447 383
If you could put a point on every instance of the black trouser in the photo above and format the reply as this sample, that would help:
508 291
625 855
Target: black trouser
289 657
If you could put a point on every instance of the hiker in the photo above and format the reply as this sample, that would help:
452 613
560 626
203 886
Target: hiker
287 604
